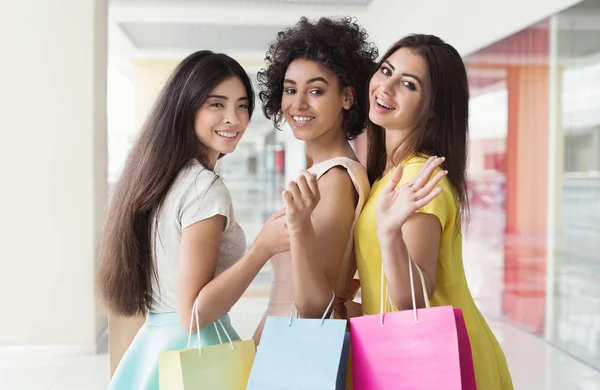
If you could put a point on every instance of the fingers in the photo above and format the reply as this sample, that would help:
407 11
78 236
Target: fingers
305 191
429 197
412 181
311 180
295 191
425 172
279 213
430 185
394 180
419 179
287 198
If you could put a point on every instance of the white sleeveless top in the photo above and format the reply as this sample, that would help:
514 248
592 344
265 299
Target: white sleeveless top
281 296
196 194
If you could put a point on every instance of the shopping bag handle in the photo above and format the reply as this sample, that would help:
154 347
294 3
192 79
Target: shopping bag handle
383 299
195 316
324 314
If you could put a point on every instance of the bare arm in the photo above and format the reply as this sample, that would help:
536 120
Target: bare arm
215 296
420 236
318 244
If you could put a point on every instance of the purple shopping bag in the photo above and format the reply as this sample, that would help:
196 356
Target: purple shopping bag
422 349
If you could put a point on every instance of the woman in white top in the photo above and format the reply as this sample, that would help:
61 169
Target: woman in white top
316 79
171 240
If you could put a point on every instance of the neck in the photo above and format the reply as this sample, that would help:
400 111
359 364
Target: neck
213 158
331 144
393 138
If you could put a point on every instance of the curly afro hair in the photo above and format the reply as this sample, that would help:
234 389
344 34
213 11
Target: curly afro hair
339 45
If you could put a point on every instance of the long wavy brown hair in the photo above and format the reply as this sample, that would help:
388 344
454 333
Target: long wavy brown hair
166 143
443 123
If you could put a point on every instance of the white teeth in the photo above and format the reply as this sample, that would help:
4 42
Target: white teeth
303 119
382 104
227 134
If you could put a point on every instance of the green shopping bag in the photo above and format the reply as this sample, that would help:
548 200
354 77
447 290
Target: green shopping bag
222 366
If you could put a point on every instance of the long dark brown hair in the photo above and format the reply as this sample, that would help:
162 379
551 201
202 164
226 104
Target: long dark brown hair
166 143
442 125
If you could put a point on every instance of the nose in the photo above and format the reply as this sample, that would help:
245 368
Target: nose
300 101
231 117
387 87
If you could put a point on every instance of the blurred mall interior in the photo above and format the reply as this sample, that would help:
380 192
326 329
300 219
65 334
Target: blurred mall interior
531 248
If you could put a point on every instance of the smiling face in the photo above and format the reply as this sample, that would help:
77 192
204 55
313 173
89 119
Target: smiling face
312 100
222 120
397 91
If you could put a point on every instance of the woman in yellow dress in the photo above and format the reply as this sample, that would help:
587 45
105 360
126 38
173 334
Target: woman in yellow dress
419 102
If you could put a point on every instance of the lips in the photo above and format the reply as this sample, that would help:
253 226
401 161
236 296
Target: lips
302 120
227 135
384 103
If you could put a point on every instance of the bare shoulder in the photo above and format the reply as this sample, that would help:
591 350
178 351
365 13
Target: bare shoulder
336 180
337 191
335 211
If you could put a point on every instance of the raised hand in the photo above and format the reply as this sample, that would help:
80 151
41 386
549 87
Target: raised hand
396 205
274 236
301 198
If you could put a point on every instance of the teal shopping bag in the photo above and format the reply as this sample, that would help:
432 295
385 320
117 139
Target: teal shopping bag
301 354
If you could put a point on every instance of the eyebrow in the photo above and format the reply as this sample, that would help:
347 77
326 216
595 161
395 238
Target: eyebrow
226 98
313 80
404 74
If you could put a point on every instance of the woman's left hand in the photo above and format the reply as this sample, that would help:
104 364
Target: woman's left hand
301 198
396 206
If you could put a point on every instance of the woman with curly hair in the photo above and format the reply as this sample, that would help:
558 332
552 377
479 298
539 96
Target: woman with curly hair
316 80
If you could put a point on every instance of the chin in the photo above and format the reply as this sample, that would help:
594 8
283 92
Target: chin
375 120
228 150
302 135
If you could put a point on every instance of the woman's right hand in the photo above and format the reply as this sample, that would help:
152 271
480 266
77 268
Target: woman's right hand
397 204
274 237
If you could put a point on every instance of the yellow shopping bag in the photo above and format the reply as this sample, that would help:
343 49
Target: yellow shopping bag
222 366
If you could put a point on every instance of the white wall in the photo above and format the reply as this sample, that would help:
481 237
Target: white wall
456 21
53 167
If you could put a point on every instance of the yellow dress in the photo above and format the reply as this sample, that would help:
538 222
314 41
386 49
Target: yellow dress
491 370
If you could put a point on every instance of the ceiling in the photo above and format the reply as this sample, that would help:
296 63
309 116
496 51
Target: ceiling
245 28
242 29
190 37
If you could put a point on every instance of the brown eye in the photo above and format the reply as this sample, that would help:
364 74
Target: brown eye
409 85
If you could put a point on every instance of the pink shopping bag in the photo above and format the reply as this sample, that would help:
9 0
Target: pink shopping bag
467 369
422 349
